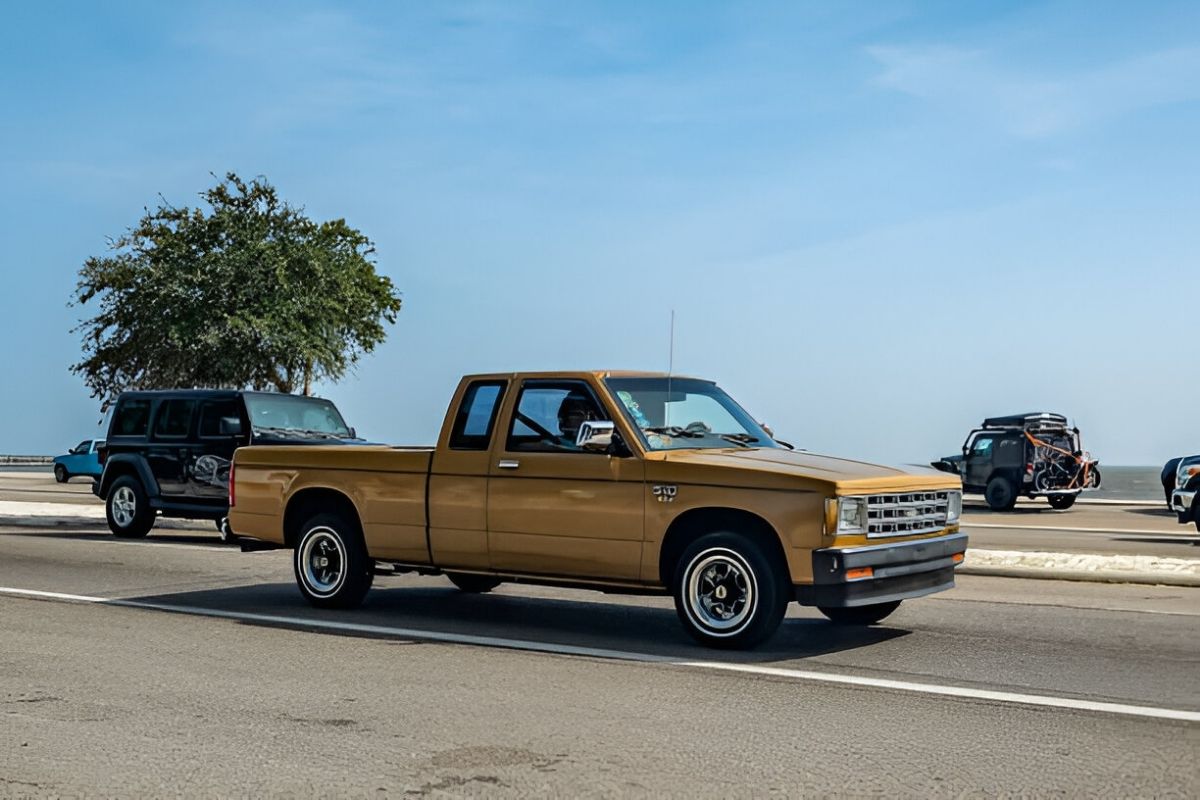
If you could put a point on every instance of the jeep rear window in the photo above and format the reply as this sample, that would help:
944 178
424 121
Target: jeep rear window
132 418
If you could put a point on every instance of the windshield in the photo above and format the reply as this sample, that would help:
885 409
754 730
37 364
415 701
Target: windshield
291 415
679 413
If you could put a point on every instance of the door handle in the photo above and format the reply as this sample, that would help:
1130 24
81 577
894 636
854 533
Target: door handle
508 463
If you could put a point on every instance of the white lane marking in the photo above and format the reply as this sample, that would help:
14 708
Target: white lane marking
954 691
1046 701
1182 535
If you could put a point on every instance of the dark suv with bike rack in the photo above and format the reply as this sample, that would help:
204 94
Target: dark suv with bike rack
168 453
1024 455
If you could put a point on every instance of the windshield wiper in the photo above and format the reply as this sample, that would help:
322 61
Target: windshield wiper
675 430
275 430
298 433
743 439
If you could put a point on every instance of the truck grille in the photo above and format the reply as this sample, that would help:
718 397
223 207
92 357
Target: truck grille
907 513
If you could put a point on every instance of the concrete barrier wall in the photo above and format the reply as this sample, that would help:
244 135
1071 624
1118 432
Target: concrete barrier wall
26 459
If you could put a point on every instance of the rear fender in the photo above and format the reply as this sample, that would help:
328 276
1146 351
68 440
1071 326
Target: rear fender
128 464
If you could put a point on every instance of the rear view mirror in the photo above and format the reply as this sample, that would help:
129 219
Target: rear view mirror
595 436
231 426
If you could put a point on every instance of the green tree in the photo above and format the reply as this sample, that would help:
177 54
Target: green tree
245 292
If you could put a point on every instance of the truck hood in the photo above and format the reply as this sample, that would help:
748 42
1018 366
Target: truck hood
846 475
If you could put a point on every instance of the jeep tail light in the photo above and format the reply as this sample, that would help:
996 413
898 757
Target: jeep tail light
232 494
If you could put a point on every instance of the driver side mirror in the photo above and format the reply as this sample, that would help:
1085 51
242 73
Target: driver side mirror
595 436
231 426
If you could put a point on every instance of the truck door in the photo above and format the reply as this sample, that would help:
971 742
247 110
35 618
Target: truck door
170 450
978 467
553 508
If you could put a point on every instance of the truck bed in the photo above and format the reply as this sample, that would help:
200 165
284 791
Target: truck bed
389 485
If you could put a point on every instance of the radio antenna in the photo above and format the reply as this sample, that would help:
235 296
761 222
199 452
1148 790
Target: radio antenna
670 371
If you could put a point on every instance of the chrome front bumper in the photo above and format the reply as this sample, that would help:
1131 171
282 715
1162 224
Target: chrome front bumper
1181 501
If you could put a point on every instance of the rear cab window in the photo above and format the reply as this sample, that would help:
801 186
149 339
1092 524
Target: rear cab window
476 418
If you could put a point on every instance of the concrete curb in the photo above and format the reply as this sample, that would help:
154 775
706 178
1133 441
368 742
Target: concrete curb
976 502
1150 570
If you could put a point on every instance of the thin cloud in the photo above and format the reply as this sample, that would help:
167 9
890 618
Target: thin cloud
977 83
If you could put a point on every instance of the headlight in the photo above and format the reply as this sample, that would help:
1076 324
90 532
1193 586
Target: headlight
1187 468
852 515
953 505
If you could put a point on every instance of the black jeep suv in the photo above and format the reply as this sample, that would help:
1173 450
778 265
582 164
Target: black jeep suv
168 452
1035 455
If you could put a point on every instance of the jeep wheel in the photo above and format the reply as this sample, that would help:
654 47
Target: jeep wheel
127 509
1000 494
1061 501
859 615
728 593
60 473
475 584
331 563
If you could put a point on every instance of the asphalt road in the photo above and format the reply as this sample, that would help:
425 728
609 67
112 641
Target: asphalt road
565 692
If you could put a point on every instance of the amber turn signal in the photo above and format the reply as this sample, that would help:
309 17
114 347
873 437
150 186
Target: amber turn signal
858 573
957 558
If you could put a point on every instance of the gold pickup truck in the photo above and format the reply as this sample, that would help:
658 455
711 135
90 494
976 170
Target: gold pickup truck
619 481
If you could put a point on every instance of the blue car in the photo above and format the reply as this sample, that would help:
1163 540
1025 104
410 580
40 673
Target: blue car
82 460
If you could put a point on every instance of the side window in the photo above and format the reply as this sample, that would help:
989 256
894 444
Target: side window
982 447
211 413
83 447
132 418
476 416
548 416
174 419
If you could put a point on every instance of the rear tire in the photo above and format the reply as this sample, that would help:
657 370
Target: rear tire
859 615
331 563
60 473
1061 501
1000 494
473 584
728 592
128 509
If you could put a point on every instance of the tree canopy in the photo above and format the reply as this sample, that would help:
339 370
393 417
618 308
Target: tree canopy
247 292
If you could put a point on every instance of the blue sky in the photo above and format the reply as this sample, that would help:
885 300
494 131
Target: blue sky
877 223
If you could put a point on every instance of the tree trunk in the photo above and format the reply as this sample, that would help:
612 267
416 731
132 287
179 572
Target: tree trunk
307 378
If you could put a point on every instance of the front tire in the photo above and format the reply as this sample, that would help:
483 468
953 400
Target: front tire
473 584
728 592
859 615
128 509
60 474
1000 494
1061 501
331 563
